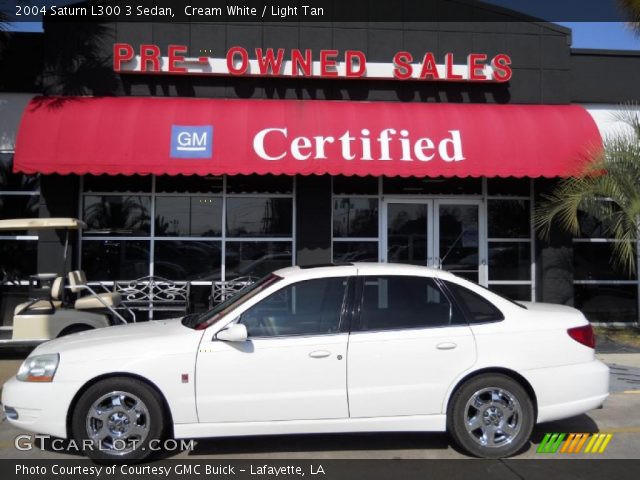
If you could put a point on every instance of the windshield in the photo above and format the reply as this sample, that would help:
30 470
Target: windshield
199 321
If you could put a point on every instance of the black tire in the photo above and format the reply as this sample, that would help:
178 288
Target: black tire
484 401
79 327
129 405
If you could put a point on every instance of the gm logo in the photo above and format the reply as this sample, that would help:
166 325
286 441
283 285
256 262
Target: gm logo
191 141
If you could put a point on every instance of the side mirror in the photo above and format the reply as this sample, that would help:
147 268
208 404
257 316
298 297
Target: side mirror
236 332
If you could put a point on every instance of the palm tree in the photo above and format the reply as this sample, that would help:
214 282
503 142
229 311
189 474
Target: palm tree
608 190
631 10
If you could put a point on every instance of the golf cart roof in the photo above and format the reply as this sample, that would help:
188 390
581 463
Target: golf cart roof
42 224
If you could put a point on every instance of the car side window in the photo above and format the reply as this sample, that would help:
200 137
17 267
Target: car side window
479 309
399 302
310 307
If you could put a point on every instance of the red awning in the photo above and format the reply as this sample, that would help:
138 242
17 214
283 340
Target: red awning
132 135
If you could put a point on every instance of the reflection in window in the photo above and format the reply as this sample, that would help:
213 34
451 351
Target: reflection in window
117 215
355 217
256 258
259 217
594 261
509 219
311 307
194 216
509 261
608 303
513 292
188 260
18 260
355 252
115 259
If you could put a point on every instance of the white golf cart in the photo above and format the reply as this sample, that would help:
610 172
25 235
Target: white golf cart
59 304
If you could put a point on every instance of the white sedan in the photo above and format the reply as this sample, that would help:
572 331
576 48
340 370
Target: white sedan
346 348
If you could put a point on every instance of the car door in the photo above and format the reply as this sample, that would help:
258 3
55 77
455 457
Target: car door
407 345
293 365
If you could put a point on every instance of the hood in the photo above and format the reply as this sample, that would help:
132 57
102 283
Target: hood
121 340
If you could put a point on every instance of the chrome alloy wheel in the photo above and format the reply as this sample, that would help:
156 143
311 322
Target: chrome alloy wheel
118 422
493 417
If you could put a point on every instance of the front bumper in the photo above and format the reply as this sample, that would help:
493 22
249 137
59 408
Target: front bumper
569 390
40 407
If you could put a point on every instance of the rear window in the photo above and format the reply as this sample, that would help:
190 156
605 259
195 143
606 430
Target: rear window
477 308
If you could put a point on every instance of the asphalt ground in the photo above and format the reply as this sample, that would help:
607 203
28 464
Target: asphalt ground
618 417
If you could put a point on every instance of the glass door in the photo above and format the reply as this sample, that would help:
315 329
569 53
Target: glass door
447 234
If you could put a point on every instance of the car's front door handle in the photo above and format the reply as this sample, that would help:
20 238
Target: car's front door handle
446 346
319 354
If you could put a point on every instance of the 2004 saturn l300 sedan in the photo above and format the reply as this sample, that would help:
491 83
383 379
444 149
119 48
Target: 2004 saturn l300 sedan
348 348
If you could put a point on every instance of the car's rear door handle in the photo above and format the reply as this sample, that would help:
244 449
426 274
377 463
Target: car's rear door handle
446 346
319 354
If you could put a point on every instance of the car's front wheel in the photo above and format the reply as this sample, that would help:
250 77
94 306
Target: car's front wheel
120 419
491 416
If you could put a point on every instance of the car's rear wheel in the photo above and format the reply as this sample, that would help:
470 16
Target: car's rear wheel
491 416
119 418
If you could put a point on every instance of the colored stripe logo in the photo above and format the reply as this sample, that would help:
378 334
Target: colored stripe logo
574 443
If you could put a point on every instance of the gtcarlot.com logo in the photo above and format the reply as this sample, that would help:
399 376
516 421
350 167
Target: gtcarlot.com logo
574 443
28 442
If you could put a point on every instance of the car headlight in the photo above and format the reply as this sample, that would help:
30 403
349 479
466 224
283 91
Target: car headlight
40 368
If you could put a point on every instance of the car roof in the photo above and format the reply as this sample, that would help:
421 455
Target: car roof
360 268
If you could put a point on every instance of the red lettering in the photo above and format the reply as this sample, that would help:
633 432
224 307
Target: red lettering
356 63
449 63
328 63
429 67
175 55
501 68
241 69
149 53
122 52
402 68
268 62
300 63
476 63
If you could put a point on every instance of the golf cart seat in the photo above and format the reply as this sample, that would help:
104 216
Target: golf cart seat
78 283
43 305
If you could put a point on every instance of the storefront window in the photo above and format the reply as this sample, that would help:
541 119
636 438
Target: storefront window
509 261
355 252
256 259
117 215
259 217
194 216
188 239
117 183
188 260
603 290
508 219
608 302
509 242
355 217
115 259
